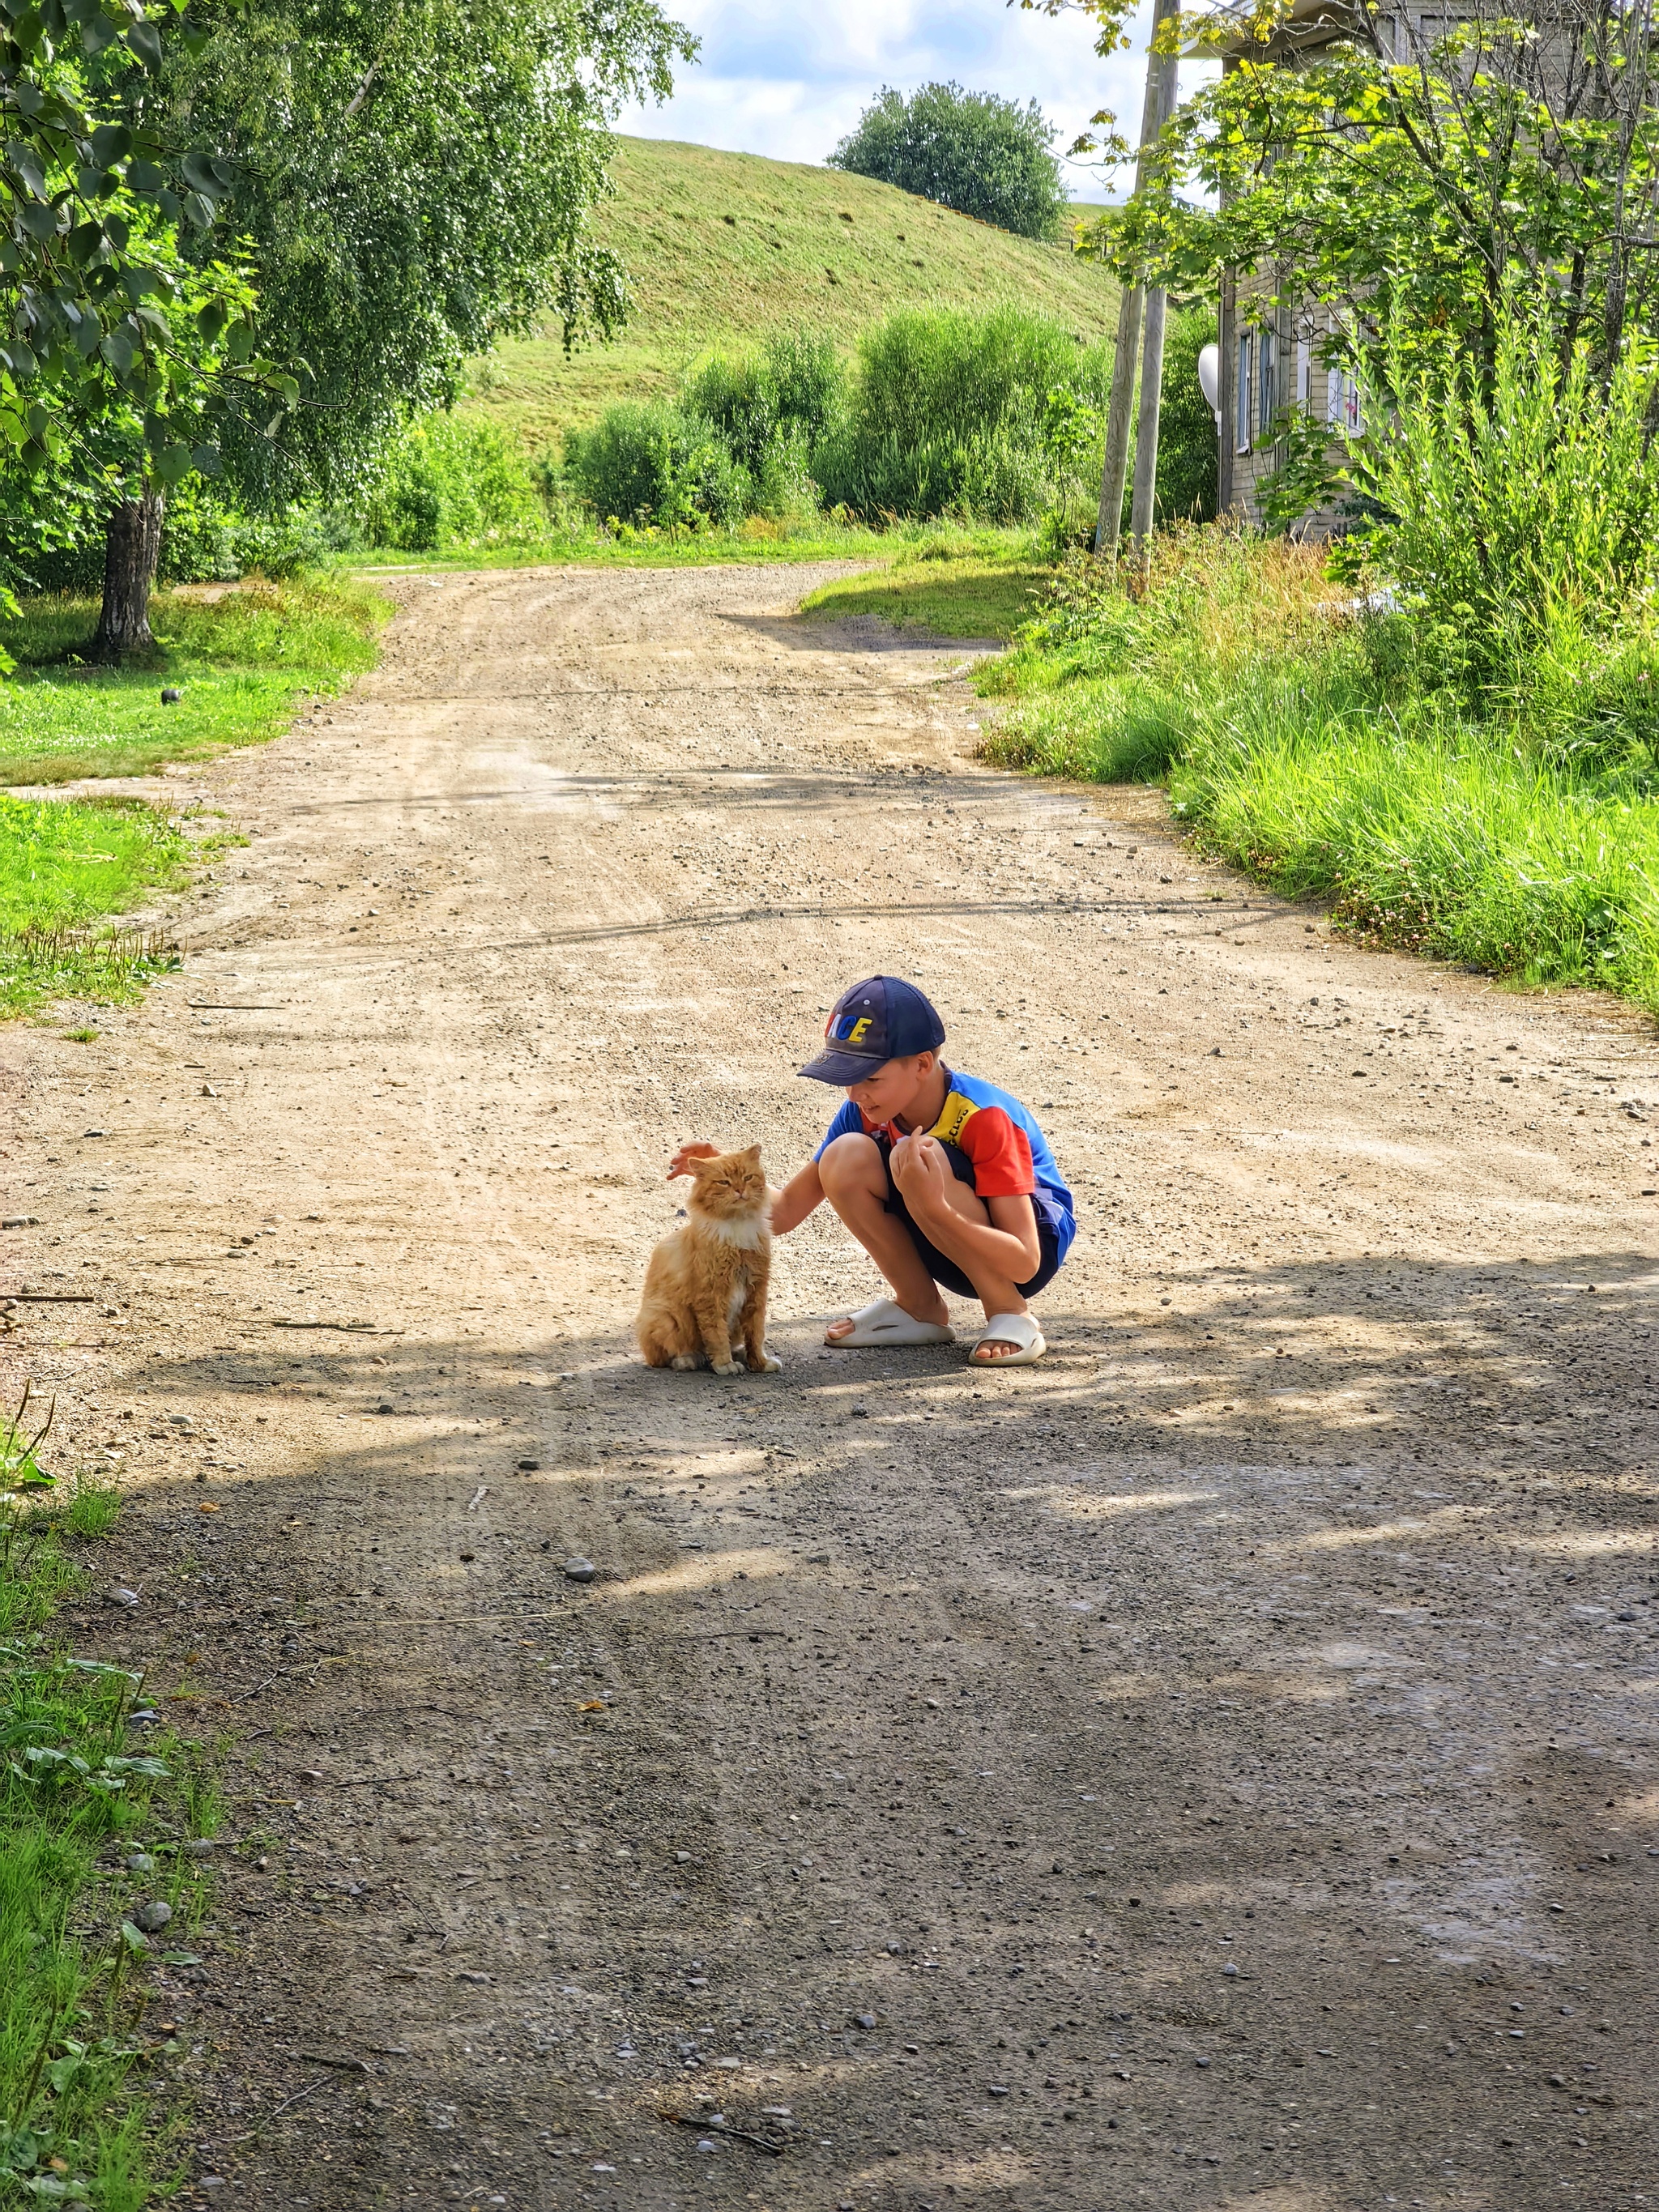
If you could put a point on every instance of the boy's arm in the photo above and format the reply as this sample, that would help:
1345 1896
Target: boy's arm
799 1196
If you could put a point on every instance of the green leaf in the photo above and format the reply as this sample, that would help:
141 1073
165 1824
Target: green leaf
110 142
117 350
39 219
207 459
96 35
173 464
24 162
145 41
200 173
144 177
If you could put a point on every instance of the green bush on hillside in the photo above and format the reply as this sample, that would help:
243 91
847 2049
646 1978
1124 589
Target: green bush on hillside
444 481
656 466
994 417
972 151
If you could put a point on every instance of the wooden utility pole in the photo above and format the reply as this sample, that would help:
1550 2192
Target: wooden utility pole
1155 110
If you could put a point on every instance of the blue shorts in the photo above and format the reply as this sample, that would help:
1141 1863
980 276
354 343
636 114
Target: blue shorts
945 1272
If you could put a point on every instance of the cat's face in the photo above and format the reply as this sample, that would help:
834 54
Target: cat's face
730 1184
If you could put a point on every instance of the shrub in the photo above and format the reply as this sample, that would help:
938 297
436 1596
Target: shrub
972 151
996 416
653 465
1187 452
444 482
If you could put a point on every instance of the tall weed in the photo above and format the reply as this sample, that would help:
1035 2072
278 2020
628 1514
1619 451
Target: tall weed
1523 493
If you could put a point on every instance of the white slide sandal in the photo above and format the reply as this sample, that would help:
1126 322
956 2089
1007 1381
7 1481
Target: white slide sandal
1020 1329
886 1323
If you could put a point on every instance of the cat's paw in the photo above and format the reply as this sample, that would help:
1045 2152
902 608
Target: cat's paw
766 1366
683 1362
726 1367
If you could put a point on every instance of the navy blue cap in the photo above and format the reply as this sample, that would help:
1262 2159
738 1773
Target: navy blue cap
880 1019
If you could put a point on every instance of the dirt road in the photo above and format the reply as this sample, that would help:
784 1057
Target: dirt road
1214 1769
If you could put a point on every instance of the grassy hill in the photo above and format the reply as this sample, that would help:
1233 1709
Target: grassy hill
723 247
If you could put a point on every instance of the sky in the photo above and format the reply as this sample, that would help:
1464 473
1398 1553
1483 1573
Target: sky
790 77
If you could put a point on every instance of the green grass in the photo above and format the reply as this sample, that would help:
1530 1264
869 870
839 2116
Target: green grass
805 249
78 1789
64 866
945 587
241 660
757 542
1305 747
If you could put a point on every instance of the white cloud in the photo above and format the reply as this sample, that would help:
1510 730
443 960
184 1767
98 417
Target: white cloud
790 79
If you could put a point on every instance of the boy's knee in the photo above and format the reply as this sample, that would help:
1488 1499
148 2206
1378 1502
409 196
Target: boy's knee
851 1160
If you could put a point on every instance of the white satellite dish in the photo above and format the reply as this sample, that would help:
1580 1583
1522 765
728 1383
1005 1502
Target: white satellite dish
1209 379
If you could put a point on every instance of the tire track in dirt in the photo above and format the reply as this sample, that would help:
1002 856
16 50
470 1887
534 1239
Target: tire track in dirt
1212 1769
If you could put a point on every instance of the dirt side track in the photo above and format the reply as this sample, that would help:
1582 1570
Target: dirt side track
1214 1769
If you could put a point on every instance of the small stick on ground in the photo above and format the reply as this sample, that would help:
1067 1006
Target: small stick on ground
722 2128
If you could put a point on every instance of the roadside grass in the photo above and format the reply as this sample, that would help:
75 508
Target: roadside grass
78 1793
240 655
242 658
65 865
1303 744
759 542
947 588
722 246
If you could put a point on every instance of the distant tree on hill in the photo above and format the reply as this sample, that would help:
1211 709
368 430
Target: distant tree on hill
969 151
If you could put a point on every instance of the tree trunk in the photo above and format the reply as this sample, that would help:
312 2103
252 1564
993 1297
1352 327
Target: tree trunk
131 548
1156 112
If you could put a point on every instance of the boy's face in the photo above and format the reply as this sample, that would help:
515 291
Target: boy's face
894 1086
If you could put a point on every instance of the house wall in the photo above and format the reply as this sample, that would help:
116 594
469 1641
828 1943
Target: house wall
1276 368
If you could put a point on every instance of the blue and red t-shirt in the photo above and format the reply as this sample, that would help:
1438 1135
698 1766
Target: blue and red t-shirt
1009 1153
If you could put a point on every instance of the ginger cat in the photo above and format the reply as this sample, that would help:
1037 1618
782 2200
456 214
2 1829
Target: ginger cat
705 1284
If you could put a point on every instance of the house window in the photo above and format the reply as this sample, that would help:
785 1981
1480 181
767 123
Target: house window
1267 383
1242 398
1303 374
1342 403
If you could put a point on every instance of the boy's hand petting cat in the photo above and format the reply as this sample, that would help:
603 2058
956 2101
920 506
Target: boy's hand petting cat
693 1148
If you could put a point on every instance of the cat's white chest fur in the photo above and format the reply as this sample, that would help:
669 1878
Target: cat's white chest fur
745 1236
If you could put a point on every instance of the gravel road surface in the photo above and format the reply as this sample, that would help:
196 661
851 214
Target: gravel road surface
1212 1769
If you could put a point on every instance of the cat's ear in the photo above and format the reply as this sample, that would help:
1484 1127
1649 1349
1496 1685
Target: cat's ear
700 1168
752 1153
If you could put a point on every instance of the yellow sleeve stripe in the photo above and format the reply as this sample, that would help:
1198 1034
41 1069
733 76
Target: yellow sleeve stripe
958 1112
